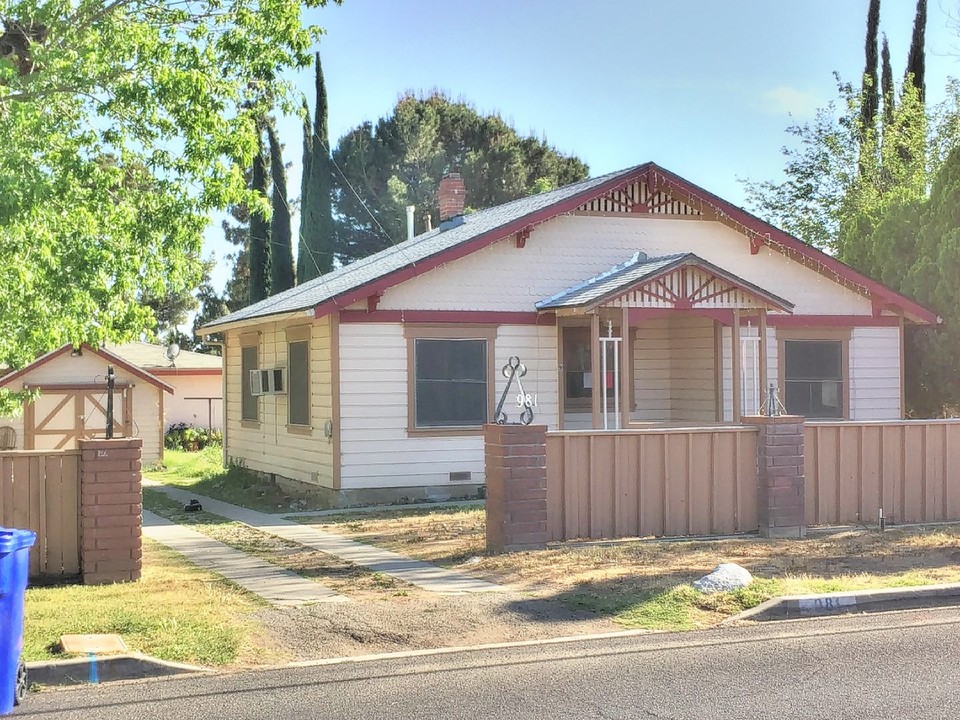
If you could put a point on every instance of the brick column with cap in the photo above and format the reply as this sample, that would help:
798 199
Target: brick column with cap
515 458
111 510
780 481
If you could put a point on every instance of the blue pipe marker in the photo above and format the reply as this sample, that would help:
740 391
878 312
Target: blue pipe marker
94 672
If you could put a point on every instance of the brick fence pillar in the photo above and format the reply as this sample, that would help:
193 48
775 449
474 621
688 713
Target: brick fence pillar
111 510
515 458
780 485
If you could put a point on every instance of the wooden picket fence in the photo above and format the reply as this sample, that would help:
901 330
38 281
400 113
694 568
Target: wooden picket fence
40 491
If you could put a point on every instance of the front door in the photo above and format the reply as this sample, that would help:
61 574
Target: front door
578 379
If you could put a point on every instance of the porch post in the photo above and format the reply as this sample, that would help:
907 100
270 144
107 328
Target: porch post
762 323
626 377
599 384
735 341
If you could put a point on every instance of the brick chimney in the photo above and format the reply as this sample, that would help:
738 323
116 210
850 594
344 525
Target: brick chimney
452 196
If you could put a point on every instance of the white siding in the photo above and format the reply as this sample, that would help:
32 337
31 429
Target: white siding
875 373
375 448
567 250
90 368
268 446
200 413
651 368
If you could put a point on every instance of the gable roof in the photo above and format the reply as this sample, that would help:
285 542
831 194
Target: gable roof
154 357
466 234
641 269
101 352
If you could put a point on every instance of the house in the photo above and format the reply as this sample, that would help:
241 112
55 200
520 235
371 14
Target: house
372 382
196 379
73 399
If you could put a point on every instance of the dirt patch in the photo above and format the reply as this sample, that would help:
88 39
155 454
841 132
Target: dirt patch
423 621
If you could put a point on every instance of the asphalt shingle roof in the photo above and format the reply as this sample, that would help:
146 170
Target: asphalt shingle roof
409 253
634 270
149 356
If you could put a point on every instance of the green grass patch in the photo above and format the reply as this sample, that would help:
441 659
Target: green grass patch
175 612
203 472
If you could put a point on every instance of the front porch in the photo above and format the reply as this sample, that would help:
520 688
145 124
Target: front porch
670 340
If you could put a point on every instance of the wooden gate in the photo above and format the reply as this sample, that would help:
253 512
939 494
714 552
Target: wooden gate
40 491
64 414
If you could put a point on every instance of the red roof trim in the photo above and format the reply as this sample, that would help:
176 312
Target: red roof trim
464 317
105 354
739 215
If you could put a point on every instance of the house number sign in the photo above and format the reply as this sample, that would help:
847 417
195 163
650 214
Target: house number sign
515 370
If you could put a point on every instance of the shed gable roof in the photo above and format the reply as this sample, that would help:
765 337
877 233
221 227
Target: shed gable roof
466 234
105 354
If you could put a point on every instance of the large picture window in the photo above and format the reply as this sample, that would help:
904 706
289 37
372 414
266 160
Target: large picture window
813 374
249 404
451 382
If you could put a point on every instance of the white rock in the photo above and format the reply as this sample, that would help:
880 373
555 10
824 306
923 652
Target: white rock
726 577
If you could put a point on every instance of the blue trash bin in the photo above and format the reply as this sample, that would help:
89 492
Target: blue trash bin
14 567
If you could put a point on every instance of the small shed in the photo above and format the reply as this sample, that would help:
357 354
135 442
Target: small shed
72 382
196 378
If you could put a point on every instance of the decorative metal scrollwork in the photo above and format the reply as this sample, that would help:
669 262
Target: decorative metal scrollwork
526 402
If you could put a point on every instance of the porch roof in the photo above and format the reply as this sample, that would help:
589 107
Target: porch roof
679 281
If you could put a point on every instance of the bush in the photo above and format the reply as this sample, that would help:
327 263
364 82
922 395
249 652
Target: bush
180 436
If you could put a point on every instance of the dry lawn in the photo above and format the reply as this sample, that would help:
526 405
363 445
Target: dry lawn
645 583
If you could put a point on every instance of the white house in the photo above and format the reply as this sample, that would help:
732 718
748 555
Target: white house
372 382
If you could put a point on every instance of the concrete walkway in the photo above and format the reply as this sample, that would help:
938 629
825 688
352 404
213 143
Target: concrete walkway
279 587
416 572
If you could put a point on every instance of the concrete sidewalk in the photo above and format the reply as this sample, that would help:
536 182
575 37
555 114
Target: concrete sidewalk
416 572
279 587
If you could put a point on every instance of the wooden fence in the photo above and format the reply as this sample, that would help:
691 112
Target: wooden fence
652 481
910 468
40 491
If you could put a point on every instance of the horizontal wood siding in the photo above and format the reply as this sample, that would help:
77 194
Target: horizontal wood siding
40 491
651 367
909 468
692 370
651 482
376 450
567 250
271 447
875 373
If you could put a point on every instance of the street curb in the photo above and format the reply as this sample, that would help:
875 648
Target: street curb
112 668
838 603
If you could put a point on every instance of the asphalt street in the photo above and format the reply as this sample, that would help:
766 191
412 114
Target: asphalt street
892 665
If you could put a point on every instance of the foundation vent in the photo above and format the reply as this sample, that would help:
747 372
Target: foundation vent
461 476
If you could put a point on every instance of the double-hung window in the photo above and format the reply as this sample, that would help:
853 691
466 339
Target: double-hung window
451 381
814 377
249 361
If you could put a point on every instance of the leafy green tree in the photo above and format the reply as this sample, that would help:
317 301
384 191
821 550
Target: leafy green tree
316 248
170 87
886 83
400 161
281 248
259 230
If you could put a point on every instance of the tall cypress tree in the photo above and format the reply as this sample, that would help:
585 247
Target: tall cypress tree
886 84
316 222
916 65
871 87
281 248
259 231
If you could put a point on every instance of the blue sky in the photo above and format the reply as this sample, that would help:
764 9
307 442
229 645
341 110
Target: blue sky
705 89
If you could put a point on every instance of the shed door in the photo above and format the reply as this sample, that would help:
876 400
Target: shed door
63 415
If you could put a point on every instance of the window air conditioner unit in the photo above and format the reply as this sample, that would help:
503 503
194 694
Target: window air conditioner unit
268 382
